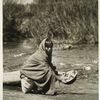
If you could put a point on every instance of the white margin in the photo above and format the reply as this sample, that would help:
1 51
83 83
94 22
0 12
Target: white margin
1 52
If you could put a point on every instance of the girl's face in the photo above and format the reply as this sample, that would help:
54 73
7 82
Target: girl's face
48 50
48 47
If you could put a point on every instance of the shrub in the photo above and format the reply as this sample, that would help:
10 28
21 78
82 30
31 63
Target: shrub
73 21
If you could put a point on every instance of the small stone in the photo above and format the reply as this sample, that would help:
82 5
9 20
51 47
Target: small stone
62 64
87 68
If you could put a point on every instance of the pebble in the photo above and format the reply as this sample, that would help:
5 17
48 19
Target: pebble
62 64
87 68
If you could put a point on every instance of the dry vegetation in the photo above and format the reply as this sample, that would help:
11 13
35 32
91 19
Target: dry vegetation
74 21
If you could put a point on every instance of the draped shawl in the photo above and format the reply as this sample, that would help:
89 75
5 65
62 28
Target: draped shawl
38 68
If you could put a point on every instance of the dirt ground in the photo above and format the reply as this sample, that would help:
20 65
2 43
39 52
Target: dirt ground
84 58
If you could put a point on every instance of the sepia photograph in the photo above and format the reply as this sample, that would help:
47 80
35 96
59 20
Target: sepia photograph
50 50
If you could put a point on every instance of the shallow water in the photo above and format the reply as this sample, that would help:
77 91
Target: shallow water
14 55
